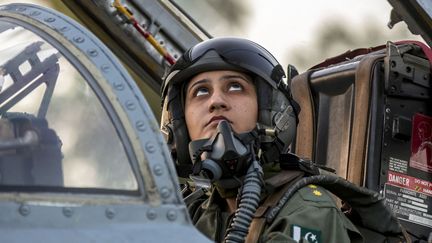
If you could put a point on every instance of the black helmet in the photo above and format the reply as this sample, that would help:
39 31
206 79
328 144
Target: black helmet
276 108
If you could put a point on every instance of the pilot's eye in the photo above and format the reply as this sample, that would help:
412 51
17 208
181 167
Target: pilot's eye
201 91
235 87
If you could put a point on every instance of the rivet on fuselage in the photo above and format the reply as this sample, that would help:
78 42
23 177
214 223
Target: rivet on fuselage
172 215
78 39
24 210
141 126
68 212
158 170
110 213
151 214
165 192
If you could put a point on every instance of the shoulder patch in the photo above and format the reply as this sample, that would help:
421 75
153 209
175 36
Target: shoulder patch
314 193
311 235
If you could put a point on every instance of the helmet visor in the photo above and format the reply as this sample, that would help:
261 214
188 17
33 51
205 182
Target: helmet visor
232 53
243 53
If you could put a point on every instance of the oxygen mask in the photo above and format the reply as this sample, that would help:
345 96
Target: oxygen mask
223 158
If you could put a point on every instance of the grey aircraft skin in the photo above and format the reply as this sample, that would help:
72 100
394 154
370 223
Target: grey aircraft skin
82 158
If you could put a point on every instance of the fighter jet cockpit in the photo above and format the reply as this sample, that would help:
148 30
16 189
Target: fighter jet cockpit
81 155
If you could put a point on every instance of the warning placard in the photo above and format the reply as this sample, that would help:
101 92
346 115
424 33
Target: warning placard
398 165
409 182
409 205
421 143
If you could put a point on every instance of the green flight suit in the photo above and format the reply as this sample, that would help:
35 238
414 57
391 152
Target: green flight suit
311 214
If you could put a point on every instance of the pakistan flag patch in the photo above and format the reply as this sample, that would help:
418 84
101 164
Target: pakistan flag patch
298 232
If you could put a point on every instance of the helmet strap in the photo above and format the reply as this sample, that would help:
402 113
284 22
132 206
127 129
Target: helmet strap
179 134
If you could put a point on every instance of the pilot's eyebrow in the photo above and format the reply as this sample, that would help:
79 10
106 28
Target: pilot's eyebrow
204 80
224 77
231 76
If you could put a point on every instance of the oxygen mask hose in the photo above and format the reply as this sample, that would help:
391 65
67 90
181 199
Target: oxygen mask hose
249 202
222 159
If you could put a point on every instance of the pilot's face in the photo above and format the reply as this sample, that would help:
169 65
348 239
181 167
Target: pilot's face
220 95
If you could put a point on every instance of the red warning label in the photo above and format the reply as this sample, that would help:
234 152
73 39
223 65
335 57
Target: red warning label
409 182
421 143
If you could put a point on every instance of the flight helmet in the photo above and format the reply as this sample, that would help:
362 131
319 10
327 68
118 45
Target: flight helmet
277 111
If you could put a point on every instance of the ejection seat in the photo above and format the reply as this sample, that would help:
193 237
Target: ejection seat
334 105
359 115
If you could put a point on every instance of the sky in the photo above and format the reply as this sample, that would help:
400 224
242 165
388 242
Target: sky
278 24
282 25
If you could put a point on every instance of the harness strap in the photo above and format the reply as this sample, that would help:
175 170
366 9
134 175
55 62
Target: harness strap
282 181
255 229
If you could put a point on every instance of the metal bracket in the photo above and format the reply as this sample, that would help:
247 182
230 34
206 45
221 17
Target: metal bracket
406 75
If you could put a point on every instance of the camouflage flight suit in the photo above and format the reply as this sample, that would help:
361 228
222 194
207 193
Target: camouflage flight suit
310 214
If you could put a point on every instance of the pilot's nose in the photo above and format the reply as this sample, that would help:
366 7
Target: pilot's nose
218 101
